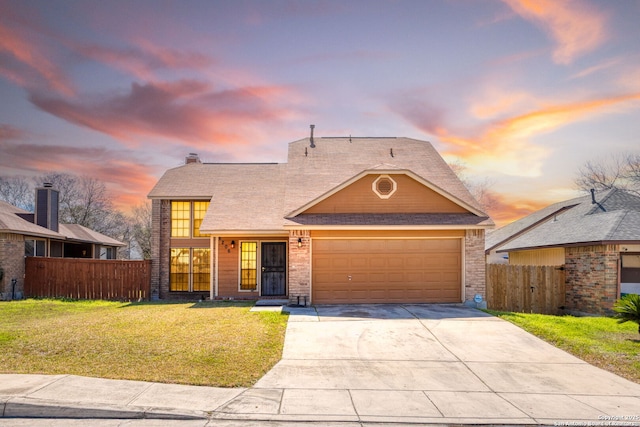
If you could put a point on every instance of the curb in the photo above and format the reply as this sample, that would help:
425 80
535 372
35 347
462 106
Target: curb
30 408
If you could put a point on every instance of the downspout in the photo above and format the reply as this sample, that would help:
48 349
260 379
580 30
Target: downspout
214 289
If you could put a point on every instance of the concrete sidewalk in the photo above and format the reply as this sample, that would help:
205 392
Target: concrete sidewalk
366 364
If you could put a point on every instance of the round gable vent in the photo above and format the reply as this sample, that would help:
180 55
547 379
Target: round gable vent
384 186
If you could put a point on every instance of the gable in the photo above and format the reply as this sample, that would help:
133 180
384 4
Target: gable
408 196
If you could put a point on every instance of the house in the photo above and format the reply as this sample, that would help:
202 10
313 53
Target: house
596 238
24 234
344 220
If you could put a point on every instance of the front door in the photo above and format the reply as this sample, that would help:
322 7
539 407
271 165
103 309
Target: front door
274 267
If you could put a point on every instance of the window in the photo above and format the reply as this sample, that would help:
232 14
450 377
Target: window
248 266
190 270
35 248
179 274
199 209
201 270
186 218
180 219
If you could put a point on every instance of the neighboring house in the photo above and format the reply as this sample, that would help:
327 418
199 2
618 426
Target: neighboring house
24 234
345 220
596 238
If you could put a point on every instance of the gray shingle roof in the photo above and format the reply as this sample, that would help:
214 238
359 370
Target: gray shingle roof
258 197
10 222
615 218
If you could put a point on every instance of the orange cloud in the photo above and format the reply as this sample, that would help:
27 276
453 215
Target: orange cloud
504 145
575 27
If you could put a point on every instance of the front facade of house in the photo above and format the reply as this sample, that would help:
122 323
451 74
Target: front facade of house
595 238
24 234
345 220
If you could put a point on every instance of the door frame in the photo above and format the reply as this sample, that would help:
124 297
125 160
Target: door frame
259 243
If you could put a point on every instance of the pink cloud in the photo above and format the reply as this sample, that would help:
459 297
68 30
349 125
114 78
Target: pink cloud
128 178
186 110
25 60
575 26
145 60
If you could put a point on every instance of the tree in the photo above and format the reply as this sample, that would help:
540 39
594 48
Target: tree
17 191
480 189
620 171
627 309
141 228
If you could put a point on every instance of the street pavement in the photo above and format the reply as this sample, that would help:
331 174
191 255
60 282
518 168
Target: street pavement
359 365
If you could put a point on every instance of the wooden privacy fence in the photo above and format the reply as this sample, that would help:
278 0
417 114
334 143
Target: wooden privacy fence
526 288
87 278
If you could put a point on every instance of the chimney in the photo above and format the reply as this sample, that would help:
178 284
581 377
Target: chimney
192 158
312 145
47 207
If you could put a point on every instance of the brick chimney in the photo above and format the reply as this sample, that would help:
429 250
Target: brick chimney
47 206
192 158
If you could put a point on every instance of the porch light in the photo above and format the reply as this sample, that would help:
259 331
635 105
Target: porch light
299 242
233 244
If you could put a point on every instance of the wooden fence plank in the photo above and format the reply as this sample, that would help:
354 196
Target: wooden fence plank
523 288
87 278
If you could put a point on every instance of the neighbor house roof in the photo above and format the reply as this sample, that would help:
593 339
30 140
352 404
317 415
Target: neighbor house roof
79 233
265 196
614 218
12 222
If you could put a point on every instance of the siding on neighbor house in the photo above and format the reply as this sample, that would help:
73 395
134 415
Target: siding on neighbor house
592 278
551 256
410 197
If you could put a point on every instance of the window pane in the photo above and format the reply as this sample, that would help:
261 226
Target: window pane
180 218
248 266
201 269
199 210
29 248
40 248
179 273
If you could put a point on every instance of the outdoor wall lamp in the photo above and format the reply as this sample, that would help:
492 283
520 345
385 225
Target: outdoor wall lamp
299 242
233 244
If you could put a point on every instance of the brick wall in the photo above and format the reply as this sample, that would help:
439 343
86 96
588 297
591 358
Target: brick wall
474 268
160 248
299 266
592 278
12 262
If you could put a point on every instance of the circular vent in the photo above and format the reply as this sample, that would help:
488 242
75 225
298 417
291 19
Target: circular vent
384 186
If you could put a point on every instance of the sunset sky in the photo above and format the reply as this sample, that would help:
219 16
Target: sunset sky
522 92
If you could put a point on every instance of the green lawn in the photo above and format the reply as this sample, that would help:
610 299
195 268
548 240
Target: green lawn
210 343
601 341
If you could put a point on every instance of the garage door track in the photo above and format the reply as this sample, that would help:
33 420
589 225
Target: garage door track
431 364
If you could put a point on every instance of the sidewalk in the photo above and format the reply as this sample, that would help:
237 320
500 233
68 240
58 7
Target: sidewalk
433 393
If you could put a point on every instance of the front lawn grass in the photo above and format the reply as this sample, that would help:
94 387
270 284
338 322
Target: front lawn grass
600 341
218 344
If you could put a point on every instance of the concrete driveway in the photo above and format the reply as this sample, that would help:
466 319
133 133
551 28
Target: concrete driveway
431 364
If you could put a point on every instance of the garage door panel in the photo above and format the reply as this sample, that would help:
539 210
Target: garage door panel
387 270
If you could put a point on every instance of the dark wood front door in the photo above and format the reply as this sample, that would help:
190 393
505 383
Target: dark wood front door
274 268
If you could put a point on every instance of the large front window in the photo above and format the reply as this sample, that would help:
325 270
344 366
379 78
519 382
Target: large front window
186 218
190 269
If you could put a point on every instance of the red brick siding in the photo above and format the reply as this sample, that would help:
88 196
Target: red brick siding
592 278
474 265
12 262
